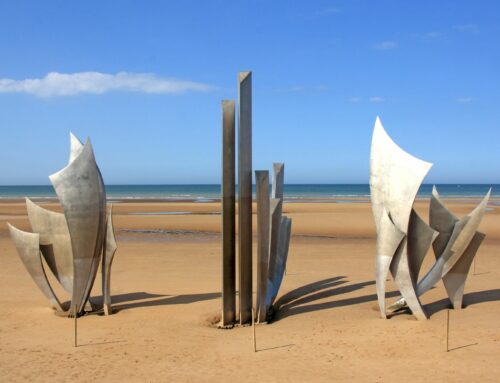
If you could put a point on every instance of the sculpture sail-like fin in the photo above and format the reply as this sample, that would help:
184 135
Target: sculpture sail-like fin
76 147
441 220
278 180
436 271
458 244
55 242
275 224
263 237
454 280
460 238
463 232
420 238
107 259
455 248
99 242
389 240
80 191
400 269
274 231
276 278
27 245
278 227
395 177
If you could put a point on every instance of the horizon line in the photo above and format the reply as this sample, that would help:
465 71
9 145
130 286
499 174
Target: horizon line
253 184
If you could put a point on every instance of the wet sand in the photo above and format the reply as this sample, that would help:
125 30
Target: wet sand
166 284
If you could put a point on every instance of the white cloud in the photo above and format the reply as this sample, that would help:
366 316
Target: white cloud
377 99
296 88
464 100
304 88
321 87
69 84
354 99
433 35
470 28
385 45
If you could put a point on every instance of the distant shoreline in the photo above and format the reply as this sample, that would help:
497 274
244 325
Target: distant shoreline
340 193
337 200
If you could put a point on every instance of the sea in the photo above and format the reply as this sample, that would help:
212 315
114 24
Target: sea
292 192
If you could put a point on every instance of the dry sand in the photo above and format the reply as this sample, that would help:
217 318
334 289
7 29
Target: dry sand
166 284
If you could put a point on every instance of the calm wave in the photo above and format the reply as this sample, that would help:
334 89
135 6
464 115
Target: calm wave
210 192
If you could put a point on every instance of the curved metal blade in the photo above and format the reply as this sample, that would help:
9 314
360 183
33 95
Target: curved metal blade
76 147
55 242
420 238
107 259
81 193
27 245
388 242
395 177
454 280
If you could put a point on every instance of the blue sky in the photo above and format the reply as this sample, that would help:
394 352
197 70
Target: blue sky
322 72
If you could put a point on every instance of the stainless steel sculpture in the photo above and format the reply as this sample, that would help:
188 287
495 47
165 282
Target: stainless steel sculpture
263 226
454 248
55 242
245 195
108 255
72 242
28 247
228 216
403 238
244 205
273 230
395 178
454 239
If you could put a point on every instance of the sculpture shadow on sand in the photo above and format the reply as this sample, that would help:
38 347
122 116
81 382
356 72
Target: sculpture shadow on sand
129 301
470 299
301 300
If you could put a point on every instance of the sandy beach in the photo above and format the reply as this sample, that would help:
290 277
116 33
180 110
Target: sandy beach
166 283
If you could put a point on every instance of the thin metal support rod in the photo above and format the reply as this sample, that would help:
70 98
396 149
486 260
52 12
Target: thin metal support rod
76 327
448 330
253 329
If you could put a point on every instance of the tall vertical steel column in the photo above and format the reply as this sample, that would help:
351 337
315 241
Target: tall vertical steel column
262 197
228 215
245 194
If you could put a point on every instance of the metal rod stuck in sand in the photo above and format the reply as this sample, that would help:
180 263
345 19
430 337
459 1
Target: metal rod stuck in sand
76 332
253 327
447 330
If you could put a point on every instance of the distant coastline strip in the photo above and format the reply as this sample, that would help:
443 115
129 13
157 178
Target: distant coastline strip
342 193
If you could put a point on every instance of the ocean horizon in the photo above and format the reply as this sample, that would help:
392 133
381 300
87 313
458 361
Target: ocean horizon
209 192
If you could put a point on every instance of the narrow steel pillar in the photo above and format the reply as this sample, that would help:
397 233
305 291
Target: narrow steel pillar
275 229
278 180
245 194
228 215
277 194
262 197
107 260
